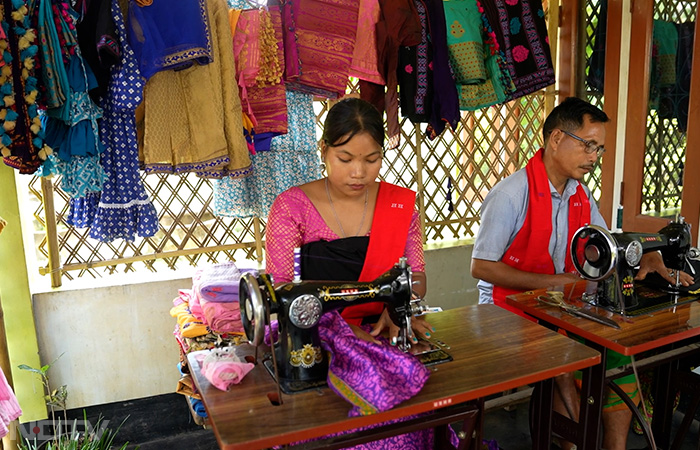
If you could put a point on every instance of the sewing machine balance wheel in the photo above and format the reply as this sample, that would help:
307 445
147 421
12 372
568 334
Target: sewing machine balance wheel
594 252
252 309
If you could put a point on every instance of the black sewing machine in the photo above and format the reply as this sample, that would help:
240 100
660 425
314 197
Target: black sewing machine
298 361
611 259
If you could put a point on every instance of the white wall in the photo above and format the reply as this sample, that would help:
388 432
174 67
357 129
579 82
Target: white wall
117 341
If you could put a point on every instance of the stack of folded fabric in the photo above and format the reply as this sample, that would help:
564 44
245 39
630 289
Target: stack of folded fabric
216 296
208 317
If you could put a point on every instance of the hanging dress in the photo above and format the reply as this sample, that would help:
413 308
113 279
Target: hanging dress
164 37
476 68
319 42
76 142
192 117
9 407
124 209
258 43
291 161
99 45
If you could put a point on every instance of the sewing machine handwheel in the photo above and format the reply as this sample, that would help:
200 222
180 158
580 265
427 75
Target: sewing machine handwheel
594 252
252 309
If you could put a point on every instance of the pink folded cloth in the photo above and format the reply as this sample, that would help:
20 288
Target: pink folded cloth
222 368
222 317
195 303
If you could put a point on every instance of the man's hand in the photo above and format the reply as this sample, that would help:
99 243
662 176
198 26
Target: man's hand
653 262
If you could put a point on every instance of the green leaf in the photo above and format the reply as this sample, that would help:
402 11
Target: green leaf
30 369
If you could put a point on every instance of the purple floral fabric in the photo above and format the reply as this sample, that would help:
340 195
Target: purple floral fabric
372 378
382 376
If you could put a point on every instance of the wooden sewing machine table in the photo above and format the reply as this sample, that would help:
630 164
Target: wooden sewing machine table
673 333
493 349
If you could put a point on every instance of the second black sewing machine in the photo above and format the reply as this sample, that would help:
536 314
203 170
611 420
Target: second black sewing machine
297 359
611 260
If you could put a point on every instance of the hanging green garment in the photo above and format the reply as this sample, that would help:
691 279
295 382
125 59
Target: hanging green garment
663 61
476 68
57 40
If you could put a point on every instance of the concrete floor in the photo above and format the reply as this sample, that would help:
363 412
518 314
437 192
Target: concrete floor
510 429
164 422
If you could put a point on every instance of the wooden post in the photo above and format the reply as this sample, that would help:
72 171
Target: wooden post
258 240
419 181
51 234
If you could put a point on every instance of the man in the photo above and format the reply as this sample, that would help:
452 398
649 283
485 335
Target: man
527 221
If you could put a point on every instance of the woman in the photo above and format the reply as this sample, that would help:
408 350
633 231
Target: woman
351 227
340 219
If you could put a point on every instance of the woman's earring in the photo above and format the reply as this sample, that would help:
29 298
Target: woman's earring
323 166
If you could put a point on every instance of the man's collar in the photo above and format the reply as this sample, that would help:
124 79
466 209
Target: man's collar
569 189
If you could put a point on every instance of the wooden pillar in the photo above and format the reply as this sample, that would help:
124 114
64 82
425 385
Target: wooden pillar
568 48
691 182
613 55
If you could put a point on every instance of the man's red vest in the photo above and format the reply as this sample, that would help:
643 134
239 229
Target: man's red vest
529 251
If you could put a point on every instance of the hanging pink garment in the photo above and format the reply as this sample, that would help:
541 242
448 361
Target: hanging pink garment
269 102
9 407
364 59
319 42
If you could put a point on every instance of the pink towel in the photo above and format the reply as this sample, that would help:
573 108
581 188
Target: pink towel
222 368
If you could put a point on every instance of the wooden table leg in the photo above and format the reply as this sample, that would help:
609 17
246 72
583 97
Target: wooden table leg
541 414
592 392
664 396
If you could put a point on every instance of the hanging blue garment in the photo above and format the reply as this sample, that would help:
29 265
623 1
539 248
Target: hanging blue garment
165 37
124 209
75 141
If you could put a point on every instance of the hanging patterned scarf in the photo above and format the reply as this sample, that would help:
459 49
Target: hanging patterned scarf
21 137
521 31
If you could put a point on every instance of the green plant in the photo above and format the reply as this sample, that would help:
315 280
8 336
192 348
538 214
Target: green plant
97 438
94 438
55 398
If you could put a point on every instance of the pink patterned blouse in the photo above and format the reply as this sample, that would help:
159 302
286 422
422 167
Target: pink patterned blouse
294 221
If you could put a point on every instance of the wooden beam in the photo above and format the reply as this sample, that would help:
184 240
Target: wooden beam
613 43
637 111
568 48
690 206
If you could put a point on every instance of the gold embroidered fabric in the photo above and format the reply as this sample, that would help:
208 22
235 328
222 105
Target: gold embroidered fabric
270 72
192 117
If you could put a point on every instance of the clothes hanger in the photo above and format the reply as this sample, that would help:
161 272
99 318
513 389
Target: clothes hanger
255 5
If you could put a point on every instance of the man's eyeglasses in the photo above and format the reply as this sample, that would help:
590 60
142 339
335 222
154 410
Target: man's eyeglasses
589 146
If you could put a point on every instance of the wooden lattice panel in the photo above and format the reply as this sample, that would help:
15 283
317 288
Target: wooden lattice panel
589 23
664 157
189 233
452 173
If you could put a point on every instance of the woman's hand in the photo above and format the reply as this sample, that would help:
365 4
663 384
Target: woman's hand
362 334
419 326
